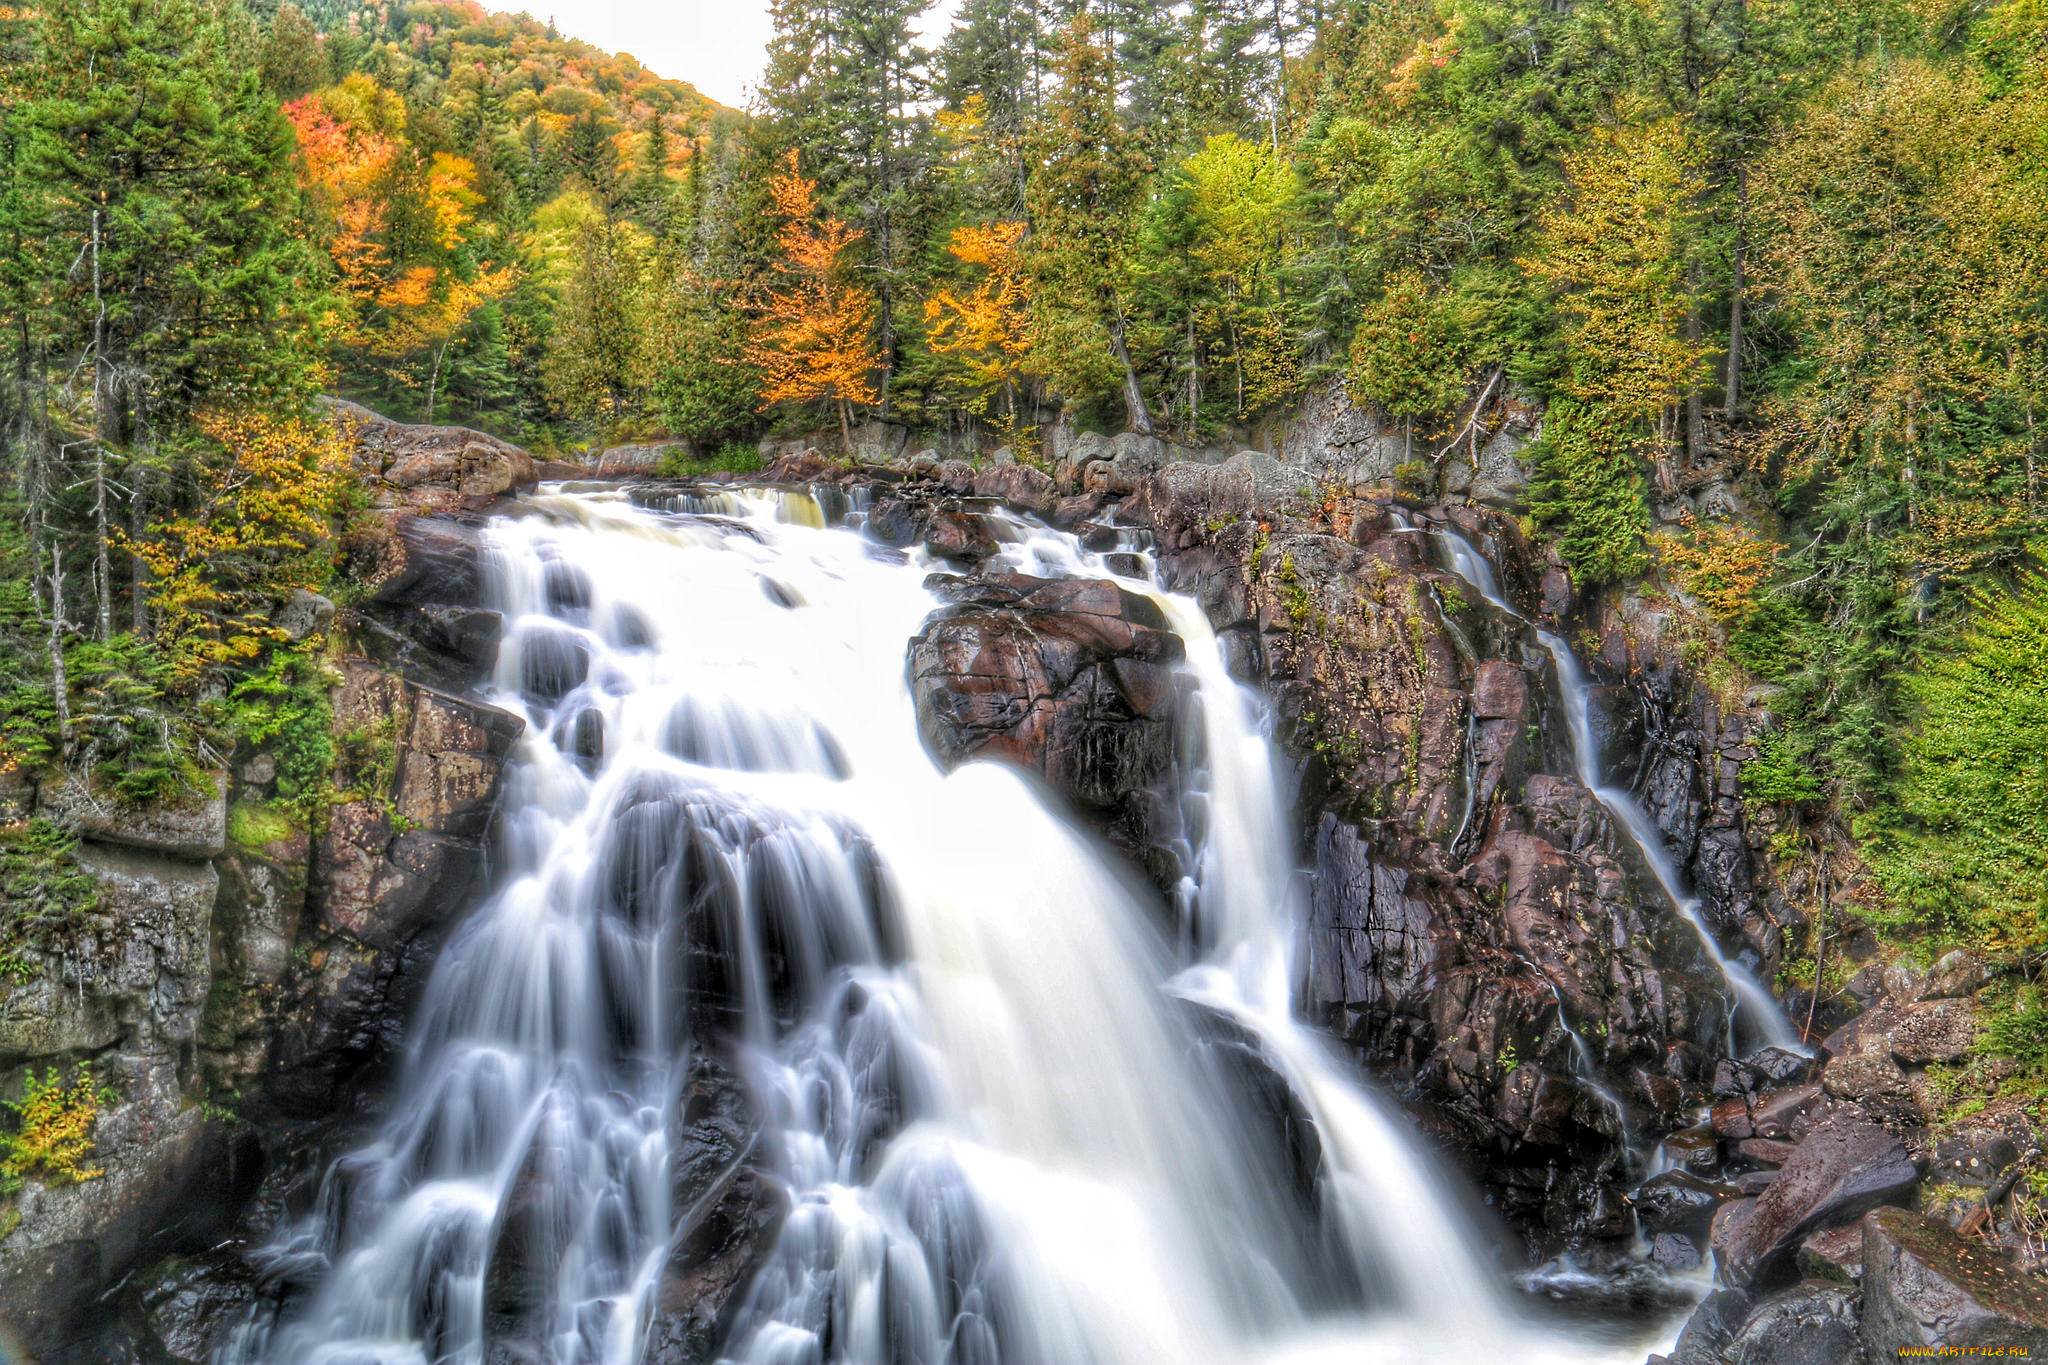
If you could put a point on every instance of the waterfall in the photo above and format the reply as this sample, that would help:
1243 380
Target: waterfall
1751 1002
1013 1124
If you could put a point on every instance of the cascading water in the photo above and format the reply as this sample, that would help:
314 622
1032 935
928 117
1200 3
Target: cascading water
1752 1004
1012 1126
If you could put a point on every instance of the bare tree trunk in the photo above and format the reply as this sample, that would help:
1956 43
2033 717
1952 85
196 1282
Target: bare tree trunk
845 429
1695 427
60 687
138 522
103 573
1735 304
1194 378
1136 415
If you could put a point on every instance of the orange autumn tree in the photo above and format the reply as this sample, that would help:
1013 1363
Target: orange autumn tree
813 341
984 328
264 529
398 227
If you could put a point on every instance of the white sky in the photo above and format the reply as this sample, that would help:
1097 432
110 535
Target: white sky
718 46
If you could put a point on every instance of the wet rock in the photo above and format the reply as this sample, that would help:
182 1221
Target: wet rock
193 1307
1068 678
1694 1149
727 1215
1711 1328
1773 1115
1674 1254
1679 1201
1803 1325
1186 503
1842 1169
1925 1286
1776 1066
1372 947
1754 1182
1020 486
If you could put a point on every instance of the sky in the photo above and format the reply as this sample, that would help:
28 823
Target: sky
719 46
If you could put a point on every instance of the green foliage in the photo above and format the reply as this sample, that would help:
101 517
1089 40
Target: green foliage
734 457
1777 774
44 894
1587 491
283 709
1965 848
2014 1028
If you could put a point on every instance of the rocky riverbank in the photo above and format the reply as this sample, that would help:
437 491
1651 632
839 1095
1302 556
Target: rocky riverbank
1478 933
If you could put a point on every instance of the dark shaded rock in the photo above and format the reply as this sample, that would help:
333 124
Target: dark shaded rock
1679 1201
193 1307
1069 678
1674 1254
727 1217
1710 1329
552 663
1372 947
388 867
1833 1254
1842 1169
1775 1066
1754 1182
1923 1285
1973 1158
1804 1325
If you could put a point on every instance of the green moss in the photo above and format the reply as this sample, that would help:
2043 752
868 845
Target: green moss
253 824
734 457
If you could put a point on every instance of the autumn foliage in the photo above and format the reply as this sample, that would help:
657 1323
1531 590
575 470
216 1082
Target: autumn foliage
813 341
264 530
984 327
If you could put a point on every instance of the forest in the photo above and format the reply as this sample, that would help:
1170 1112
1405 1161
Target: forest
1800 246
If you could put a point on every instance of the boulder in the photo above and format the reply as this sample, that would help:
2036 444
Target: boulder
1843 1168
637 461
1934 1031
305 614
1833 1254
429 468
1925 1286
1071 679
1808 1324
192 826
1019 485
1186 503
1710 1329
1679 1201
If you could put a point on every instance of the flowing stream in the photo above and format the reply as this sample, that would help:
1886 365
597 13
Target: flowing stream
1014 1124
1751 1004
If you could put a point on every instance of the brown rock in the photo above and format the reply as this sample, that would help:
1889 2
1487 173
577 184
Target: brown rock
1771 1114
1768 1151
429 468
1018 485
1833 1254
1842 1169
1500 691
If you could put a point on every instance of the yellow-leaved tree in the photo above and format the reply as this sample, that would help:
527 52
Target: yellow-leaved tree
813 342
264 529
984 328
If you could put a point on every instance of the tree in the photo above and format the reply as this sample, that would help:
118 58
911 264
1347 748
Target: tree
1240 197
595 366
814 340
1083 200
984 327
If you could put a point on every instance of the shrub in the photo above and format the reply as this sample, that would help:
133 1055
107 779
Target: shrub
54 1137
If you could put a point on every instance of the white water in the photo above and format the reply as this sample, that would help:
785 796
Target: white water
1752 1004
994 1095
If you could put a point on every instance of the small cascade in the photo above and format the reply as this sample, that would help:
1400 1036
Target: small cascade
1013 1124
1751 1003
